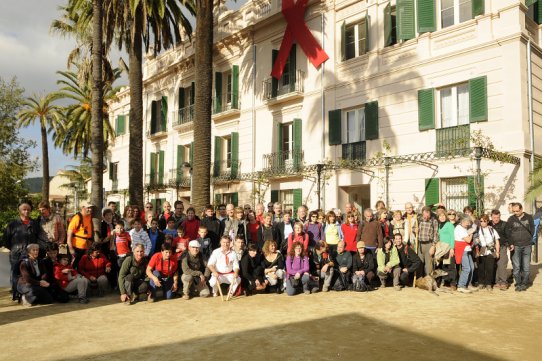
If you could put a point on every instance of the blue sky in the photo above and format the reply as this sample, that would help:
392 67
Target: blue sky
31 53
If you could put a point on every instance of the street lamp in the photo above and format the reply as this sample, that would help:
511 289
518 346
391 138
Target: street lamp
188 166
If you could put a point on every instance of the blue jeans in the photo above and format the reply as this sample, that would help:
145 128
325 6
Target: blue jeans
166 286
467 269
521 262
292 284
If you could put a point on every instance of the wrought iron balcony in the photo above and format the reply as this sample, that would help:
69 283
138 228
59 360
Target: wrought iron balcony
354 151
226 105
285 162
179 178
290 83
185 116
453 139
225 170
154 181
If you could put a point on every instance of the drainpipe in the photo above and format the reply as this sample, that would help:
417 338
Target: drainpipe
254 114
531 122
322 104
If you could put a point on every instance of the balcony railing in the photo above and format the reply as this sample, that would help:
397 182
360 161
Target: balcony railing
285 162
289 83
354 151
179 178
453 139
185 116
155 180
224 105
226 169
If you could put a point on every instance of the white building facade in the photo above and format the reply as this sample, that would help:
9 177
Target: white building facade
424 101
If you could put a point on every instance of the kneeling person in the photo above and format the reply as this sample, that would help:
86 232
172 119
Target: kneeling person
162 273
193 276
132 276
409 261
388 264
69 279
224 266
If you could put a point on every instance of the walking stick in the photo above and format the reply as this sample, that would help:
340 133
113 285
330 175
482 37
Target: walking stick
416 245
230 290
219 288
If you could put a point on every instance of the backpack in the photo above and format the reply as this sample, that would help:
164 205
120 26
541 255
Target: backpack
360 285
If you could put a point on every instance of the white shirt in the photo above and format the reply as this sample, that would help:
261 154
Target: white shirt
224 263
486 236
459 233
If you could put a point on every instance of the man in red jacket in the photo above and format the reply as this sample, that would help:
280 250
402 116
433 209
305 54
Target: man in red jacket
94 267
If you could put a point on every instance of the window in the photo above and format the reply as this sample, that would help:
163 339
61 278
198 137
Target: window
355 39
353 127
226 156
286 197
228 198
228 85
454 105
454 12
533 11
120 124
391 36
113 171
227 153
455 193
287 139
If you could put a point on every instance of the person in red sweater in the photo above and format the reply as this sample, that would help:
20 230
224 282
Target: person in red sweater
191 225
180 243
121 243
298 235
350 229
94 267
68 278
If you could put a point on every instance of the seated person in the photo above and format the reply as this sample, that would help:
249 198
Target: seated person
132 275
409 261
68 278
388 264
162 273
193 267
322 265
297 270
32 279
273 265
252 274
343 267
95 267
363 265
59 295
224 267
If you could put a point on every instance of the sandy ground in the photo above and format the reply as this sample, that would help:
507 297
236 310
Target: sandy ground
381 325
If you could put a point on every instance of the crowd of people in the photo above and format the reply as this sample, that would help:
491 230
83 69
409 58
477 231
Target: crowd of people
239 250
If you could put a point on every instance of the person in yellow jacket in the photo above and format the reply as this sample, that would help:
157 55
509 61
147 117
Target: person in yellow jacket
80 233
388 264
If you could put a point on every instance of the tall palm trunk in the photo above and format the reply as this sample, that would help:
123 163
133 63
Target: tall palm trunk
202 132
96 130
135 77
45 158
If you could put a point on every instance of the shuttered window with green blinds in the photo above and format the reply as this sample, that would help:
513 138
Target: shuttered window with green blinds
426 109
180 162
297 146
120 127
163 118
161 162
154 111
298 198
218 199
335 135
218 156
371 120
478 7
432 192
406 27
235 87
192 154
274 196
235 199
234 155
218 92
426 16
152 179
478 99
390 25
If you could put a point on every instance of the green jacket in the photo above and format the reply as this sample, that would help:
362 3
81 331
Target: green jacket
130 267
446 234
381 259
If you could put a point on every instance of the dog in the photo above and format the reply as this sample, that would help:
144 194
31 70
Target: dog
429 283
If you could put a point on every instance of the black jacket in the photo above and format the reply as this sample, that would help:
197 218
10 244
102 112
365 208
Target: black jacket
213 230
317 262
500 228
520 232
251 267
367 264
267 233
408 259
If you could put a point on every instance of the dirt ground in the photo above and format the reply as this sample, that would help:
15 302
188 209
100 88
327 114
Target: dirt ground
381 325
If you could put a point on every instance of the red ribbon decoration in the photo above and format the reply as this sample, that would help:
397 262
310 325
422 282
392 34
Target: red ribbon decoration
297 29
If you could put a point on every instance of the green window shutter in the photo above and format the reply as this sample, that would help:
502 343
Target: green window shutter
274 82
527 3
153 202
154 110
218 92
298 198
298 141
475 190
163 117
371 120
405 19
274 196
235 199
111 171
181 98
234 155
192 154
478 7
367 19
192 93
161 160
432 194
478 99
387 25
218 158
180 161
335 127
426 109
343 41
538 14
122 124
218 199
292 67
426 16
278 161
235 87
153 168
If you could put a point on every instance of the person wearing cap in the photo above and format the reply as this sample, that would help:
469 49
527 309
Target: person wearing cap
409 261
193 275
224 267
162 273
80 232
363 266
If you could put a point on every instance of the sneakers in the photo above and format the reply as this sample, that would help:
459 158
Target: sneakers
186 297
150 299
307 292
463 290
453 288
325 289
314 290
83 300
25 302
397 288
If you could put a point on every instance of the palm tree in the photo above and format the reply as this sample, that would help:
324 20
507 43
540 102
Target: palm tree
535 178
202 133
77 177
43 109
73 134
136 24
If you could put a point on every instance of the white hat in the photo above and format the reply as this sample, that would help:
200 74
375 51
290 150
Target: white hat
194 243
87 204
